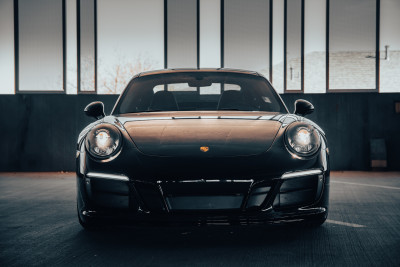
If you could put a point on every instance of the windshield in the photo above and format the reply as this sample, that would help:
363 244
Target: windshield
199 91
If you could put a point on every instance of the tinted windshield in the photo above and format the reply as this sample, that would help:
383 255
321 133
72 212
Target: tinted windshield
192 91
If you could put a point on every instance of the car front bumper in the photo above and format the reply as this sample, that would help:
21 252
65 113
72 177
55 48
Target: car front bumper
294 196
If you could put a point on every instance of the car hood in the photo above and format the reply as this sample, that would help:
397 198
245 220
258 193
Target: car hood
204 135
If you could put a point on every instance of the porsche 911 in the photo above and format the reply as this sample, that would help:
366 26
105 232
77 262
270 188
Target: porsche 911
203 147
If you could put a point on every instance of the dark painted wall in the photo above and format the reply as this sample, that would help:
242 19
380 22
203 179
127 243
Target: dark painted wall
39 132
350 121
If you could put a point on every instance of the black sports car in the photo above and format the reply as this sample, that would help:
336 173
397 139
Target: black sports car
202 146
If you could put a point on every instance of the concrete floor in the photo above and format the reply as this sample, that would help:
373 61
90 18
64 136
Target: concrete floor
38 226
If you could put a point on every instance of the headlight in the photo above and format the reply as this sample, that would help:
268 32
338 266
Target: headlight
302 139
103 141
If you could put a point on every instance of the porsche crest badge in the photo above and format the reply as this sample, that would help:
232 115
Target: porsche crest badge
204 148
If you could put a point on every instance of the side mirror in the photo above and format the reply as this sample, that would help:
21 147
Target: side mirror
303 107
95 109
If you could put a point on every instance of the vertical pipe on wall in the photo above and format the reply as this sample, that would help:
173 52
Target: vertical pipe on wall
284 46
198 32
16 47
271 6
78 42
377 56
302 46
222 33
64 47
165 34
95 45
327 46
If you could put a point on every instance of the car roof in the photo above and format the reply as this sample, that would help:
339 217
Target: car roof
182 70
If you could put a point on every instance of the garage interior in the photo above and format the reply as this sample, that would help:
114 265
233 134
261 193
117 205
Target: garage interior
56 56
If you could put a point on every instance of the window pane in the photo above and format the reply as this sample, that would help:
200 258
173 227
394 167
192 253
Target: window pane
6 47
71 43
182 34
277 42
246 36
40 45
315 46
352 44
293 45
210 34
128 46
390 46
87 45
